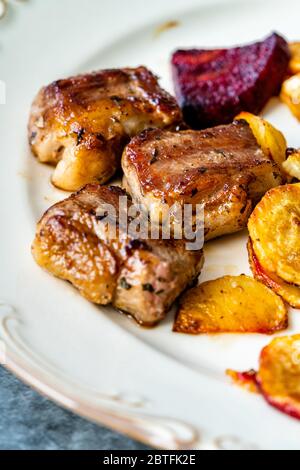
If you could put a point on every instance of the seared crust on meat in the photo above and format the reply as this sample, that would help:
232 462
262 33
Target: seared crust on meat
223 168
142 277
81 124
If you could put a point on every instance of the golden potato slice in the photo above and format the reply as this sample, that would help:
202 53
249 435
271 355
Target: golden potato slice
292 165
279 374
270 139
231 304
294 64
290 94
246 380
274 228
289 292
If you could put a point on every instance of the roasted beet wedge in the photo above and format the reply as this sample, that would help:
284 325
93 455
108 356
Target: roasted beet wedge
213 86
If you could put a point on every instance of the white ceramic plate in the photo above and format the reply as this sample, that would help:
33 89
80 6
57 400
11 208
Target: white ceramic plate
165 389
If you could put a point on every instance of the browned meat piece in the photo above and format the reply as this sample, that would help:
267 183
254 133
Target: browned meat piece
82 124
142 277
222 168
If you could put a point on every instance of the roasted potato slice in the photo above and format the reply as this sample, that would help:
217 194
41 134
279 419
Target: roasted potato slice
290 94
294 65
292 165
231 304
274 228
289 292
279 374
246 380
270 139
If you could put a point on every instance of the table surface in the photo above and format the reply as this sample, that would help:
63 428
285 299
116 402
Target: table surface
30 421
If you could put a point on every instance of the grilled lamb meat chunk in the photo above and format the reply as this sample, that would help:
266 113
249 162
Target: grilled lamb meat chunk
75 241
222 168
213 86
82 124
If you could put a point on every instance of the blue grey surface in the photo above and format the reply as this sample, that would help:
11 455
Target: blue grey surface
29 421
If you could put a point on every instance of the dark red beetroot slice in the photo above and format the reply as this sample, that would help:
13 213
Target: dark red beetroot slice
213 86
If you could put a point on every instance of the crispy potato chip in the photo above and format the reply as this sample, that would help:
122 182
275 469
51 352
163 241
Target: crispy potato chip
274 228
290 94
231 304
289 292
292 165
279 374
270 139
246 380
294 65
